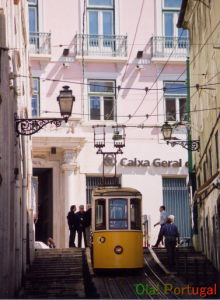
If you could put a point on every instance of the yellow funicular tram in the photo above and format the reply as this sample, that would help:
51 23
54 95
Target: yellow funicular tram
117 231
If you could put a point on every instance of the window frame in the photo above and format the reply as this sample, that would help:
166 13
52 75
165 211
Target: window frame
177 97
135 215
102 95
104 215
125 220
36 7
177 32
170 7
175 19
217 149
204 172
38 96
210 160
100 6
100 9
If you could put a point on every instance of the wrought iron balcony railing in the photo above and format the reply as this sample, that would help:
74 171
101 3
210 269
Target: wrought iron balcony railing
101 45
40 43
163 46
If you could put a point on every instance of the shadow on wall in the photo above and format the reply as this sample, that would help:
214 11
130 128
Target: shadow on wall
59 72
132 72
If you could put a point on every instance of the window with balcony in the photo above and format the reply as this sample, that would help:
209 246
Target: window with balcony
39 41
175 101
172 37
101 39
171 32
101 25
101 99
35 99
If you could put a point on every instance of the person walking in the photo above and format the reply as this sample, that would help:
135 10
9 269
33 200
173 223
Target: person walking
81 229
162 222
73 223
170 231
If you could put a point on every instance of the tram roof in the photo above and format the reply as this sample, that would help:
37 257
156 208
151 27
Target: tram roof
115 191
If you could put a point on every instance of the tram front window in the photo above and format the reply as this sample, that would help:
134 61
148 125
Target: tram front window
135 211
100 219
118 214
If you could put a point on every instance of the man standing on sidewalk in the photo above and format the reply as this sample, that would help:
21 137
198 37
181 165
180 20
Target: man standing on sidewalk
162 222
81 214
73 223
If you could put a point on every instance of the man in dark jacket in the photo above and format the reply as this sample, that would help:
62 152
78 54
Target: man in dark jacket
73 223
171 234
81 214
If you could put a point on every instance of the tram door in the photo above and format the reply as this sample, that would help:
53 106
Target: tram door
176 201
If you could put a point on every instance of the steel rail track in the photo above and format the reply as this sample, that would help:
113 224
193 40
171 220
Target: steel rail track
123 286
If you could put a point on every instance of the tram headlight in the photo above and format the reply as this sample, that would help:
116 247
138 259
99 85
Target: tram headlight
118 249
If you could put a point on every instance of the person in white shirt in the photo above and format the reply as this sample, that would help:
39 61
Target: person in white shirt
163 221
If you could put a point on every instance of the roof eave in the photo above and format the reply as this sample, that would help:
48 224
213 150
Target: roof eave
181 23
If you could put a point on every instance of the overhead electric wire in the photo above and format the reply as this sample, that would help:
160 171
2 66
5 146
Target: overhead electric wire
150 89
125 88
138 116
135 44
158 76
132 46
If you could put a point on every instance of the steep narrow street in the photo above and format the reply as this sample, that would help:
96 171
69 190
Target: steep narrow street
68 274
56 273
192 268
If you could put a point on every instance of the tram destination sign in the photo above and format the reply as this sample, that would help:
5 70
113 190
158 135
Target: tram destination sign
109 161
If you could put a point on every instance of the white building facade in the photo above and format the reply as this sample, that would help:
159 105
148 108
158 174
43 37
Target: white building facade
125 63
16 223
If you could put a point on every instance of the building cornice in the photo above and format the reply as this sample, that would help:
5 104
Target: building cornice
60 142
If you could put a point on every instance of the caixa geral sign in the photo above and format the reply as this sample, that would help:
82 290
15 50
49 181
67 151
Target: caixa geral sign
109 160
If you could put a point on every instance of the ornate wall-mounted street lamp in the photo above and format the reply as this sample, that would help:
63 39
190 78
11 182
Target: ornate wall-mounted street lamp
193 145
31 126
166 131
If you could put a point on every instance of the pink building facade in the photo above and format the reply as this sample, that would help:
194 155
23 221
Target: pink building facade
124 61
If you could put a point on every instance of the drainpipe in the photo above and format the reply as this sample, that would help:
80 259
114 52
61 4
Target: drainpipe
24 206
189 137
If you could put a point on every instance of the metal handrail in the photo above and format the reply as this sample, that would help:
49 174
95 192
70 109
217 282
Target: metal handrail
163 46
40 43
101 45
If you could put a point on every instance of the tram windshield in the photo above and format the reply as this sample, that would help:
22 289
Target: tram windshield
118 214
100 216
135 211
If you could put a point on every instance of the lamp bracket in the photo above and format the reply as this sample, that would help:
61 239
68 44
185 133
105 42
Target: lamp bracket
193 145
31 126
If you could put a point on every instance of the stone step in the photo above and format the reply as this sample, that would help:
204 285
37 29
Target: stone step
55 273
193 266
